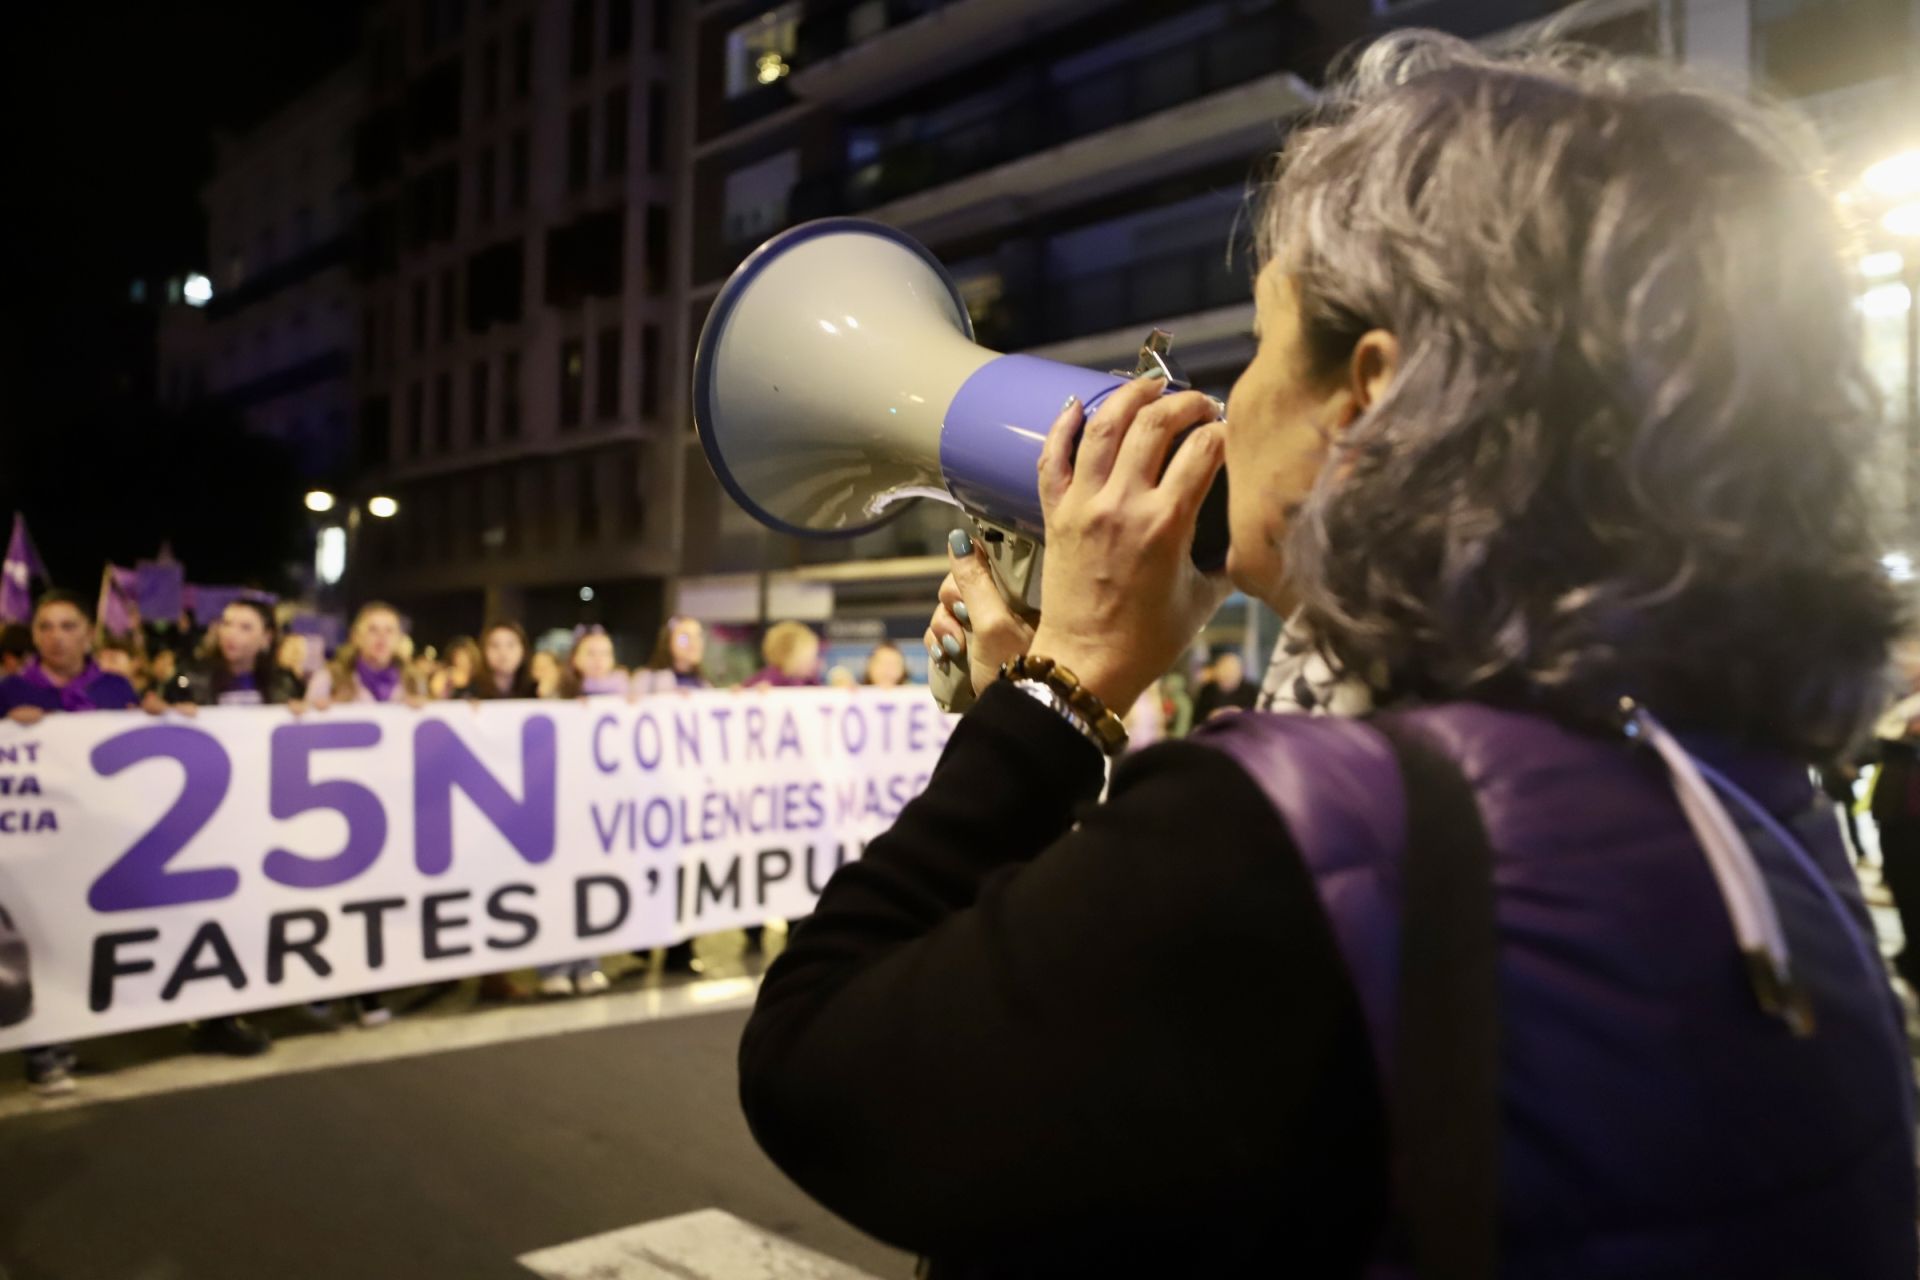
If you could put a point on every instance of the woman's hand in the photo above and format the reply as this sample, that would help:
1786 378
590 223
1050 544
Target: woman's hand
974 623
1121 595
27 715
154 705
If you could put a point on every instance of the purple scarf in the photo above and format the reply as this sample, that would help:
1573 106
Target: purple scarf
73 694
380 682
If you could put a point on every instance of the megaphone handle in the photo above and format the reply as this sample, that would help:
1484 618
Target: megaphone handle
1015 563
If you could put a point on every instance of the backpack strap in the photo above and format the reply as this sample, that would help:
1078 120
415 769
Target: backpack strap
1444 1102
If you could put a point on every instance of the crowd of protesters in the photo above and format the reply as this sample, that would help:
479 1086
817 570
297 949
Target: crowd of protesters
59 662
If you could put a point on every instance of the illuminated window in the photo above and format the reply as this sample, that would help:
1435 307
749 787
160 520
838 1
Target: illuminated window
756 197
760 52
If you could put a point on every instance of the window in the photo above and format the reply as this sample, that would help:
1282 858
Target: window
579 144
573 372
662 25
656 128
761 52
510 395
369 339
649 371
617 131
446 305
419 316
606 375
416 420
376 431
443 412
477 393
522 61
580 46
495 282
483 179
619 27
756 198
586 510
517 173
656 248
633 506
489 79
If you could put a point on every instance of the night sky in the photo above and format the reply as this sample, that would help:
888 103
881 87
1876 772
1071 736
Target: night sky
110 110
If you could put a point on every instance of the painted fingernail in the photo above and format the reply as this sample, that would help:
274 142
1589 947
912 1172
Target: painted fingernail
1073 402
960 543
951 645
960 612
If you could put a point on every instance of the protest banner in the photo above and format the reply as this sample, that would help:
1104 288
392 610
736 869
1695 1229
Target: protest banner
154 870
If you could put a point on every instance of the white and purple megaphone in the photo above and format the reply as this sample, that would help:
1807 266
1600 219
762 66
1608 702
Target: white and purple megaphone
837 379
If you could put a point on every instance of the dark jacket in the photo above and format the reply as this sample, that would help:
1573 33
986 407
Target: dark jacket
209 684
1151 1043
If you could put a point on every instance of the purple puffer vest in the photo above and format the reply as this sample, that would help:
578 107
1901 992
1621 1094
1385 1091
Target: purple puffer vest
1656 1122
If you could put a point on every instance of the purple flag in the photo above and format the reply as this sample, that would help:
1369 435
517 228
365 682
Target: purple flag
16 576
207 602
159 591
119 612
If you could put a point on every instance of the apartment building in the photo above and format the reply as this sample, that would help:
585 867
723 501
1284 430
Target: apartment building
516 164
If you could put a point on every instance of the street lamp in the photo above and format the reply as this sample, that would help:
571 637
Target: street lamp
1903 219
319 500
382 507
1894 177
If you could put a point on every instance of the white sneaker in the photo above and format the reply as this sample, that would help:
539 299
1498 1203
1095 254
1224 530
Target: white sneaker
378 1016
556 985
592 983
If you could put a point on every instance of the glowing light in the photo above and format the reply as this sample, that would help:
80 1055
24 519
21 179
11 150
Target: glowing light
330 555
382 507
1885 263
1887 300
1903 220
770 67
1899 566
851 322
586 595
1894 177
829 327
197 291
319 500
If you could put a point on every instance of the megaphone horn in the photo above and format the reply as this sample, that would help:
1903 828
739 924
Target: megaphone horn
837 379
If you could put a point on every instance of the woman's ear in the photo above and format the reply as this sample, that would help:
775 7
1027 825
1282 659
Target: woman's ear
1375 361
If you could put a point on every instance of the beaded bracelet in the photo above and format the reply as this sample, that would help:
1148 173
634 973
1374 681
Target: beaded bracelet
1101 724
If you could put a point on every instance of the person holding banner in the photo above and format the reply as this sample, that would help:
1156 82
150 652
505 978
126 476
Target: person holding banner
505 670
240 669
60 676
1554 963
372 664
792 654
677 655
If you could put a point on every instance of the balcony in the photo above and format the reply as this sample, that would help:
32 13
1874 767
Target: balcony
1210 99
921 41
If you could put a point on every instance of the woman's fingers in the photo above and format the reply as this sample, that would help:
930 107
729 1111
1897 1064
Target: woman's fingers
1056 456
1191 473
1143 455
1100 442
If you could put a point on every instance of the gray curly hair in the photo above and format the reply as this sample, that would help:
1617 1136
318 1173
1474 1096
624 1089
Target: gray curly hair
1621 454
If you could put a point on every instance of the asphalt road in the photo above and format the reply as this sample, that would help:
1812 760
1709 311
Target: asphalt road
448 1165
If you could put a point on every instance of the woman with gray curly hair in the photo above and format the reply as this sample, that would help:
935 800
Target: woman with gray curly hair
1553 965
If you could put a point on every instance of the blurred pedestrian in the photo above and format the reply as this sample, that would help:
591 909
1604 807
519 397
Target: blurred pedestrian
592 667
548 673
1226 689
120 655
293 656
460 665
60 675
507 672
677 658
371 666
16 646
886 666
791 652
239 669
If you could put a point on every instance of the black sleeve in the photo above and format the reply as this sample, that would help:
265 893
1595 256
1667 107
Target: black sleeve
992 1023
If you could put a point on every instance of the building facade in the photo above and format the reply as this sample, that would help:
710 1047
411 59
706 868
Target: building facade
516 166
270 326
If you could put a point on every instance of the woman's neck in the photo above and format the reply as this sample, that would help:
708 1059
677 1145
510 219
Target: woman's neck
62 674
